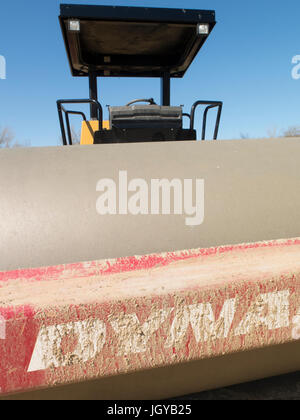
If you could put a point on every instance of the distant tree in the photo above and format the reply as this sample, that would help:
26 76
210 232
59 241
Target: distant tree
75 134
244 136
7 139
292 132
273 132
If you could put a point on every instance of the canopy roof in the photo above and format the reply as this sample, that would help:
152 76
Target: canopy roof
132 41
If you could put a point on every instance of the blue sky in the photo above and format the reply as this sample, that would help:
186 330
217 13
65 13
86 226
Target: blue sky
246 63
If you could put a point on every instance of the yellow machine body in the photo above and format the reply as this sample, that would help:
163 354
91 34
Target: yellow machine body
88 130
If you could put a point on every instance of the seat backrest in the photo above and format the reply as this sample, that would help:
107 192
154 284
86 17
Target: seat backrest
145 116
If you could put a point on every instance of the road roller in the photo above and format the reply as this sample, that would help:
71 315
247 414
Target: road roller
146 262
134 42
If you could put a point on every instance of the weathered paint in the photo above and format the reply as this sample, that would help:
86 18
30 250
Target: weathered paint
2 328
47 343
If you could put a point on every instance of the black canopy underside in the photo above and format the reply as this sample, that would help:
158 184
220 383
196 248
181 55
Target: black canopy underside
133 41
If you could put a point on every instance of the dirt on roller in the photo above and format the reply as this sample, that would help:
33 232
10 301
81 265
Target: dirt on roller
178 382
221 268
224 315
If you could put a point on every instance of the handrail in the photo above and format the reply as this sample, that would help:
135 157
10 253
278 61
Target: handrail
211 104
61 109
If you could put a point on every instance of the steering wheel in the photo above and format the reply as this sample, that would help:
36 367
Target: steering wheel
150 101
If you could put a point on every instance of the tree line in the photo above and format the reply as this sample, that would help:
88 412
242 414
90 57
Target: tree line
8 139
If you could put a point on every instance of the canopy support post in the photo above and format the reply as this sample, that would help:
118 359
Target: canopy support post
166 89
93 87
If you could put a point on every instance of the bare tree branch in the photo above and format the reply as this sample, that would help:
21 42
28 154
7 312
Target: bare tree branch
292 132
273 132
75 134
7 139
